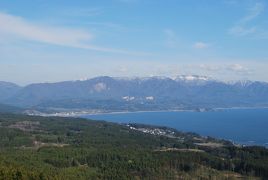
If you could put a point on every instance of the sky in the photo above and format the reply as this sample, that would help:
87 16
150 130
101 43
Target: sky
58 40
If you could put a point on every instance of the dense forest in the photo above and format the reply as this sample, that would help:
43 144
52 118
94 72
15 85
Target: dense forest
33 147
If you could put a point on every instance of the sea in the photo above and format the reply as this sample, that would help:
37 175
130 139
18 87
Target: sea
240 125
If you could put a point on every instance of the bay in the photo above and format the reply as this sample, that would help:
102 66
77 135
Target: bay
243 126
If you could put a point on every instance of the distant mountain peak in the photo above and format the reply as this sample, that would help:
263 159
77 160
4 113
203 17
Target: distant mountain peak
5 83
141 78
138 93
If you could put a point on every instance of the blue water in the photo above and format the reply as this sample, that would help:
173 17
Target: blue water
244 126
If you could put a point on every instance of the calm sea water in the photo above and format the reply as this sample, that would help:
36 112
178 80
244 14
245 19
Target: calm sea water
245 126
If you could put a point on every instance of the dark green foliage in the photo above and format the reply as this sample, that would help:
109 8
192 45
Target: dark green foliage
72 148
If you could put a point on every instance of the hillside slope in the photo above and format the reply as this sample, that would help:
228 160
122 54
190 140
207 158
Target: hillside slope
34 147
8 90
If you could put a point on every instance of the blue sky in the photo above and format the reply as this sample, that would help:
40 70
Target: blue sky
48 41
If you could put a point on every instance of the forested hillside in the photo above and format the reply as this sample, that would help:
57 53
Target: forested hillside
71 148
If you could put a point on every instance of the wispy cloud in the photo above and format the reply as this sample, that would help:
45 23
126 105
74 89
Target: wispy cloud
200 45
243 27
18 28
254 12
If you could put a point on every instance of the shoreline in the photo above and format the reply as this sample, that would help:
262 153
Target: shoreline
212 110
81 114
133 112
87 113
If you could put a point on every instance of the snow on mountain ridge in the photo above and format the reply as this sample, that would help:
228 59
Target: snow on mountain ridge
192 78
243 83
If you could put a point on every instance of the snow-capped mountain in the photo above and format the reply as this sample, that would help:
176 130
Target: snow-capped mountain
150 93
242 83
192 78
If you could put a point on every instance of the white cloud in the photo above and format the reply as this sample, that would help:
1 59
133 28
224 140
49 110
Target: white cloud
18 28
201 45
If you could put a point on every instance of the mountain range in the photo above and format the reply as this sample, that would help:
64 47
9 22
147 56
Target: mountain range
185 92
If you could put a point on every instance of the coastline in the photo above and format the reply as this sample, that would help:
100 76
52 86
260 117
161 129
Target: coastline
84 113
99 112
